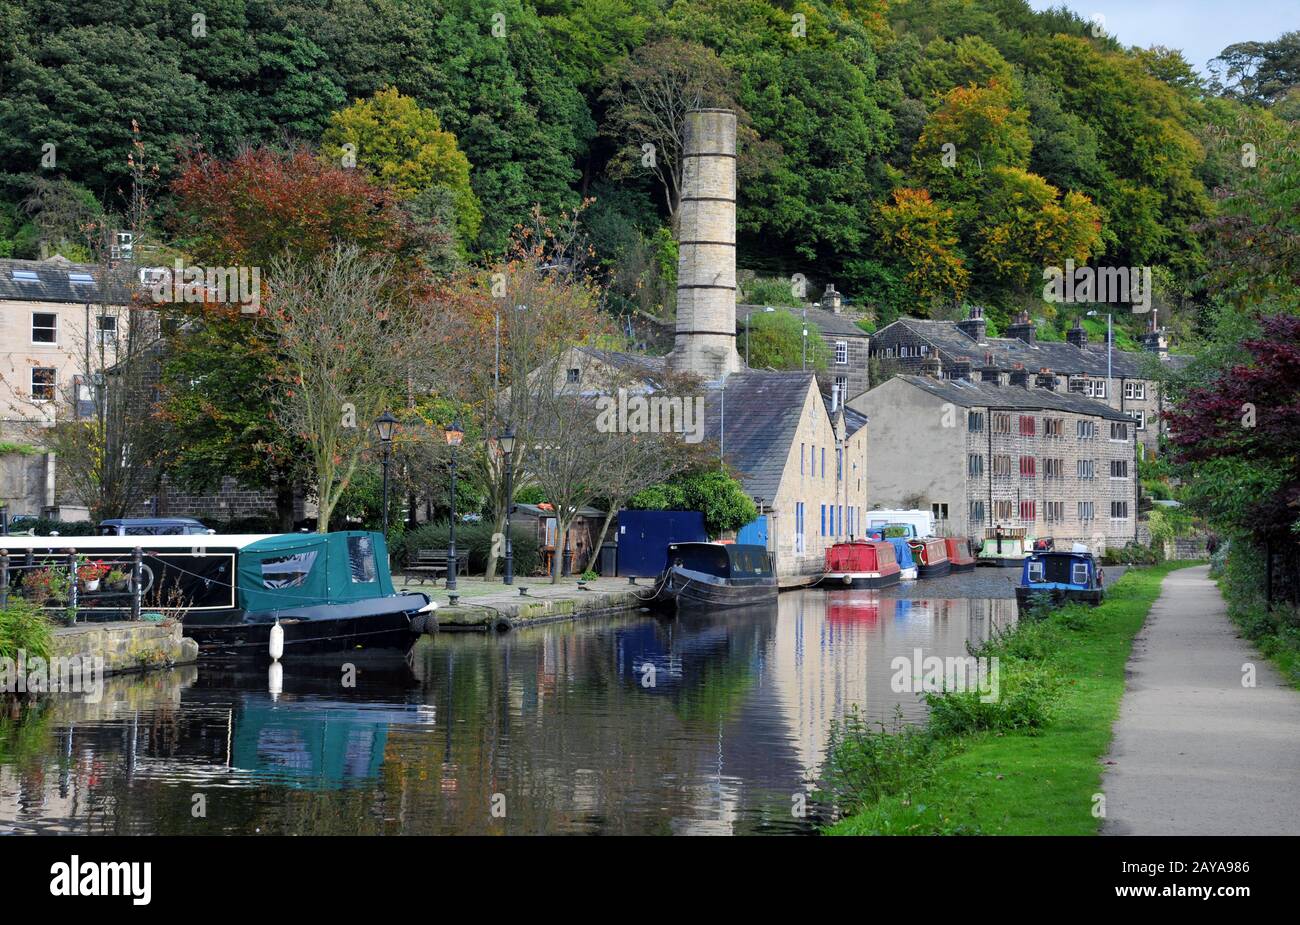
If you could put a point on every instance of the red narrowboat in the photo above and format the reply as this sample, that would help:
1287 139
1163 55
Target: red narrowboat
861 564
959 555
931 557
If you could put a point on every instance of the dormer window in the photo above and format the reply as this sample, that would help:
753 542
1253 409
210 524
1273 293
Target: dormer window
25 276
81 279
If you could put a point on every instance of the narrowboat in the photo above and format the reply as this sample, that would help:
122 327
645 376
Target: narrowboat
714 576
931 555
329 592
903 556
861 564
959 553
1005 547
1063 576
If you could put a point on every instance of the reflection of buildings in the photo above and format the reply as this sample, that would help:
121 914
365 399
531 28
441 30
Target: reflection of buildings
833 650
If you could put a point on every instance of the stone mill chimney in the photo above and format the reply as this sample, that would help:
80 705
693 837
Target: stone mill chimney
705 339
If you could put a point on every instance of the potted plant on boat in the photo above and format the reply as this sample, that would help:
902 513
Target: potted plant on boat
47 584
117 580
90 573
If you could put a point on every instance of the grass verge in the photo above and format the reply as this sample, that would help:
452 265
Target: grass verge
1238 567
1011 777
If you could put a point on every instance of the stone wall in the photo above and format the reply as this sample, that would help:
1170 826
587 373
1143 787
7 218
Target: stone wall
127 646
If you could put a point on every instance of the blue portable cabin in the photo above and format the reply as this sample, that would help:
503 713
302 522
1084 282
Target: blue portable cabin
1063 576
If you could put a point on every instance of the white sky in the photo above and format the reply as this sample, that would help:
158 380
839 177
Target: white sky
1200 28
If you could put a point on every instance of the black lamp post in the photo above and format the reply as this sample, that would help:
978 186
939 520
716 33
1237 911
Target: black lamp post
507 441
454 436
384 427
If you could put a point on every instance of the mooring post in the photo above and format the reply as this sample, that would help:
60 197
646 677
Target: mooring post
137 565
4 578
72 586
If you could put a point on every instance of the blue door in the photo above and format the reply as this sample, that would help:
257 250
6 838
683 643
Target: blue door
754 533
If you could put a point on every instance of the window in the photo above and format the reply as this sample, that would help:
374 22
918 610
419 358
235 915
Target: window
1085 430
107 329
975 465
1001 423
280 572
940 511
1086 510
841 352
574 376
42 383
839 464
823 462
1054 511
1119 468
1085 469
799 527
81 279
1002 467
842 387
802 448
25 276
45 328
361 560
1027 510
1028 467
1118 431
1036 569
1119 510
1004 509
1079 574
1098 388
976 512
975 422
1053 468
1093 388
1053 427
1028 426
1135 390
1139 419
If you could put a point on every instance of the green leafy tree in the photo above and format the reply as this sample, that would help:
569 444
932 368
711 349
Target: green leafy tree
403 145
776 340
714 492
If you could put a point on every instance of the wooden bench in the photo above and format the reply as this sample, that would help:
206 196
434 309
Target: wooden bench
432 563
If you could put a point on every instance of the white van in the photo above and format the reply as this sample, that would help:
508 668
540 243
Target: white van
921 522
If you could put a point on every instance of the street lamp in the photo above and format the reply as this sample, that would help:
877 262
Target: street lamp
454 436
805 339
384 425
507 443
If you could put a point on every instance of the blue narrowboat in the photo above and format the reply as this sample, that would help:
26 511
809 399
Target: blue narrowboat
903 555
1063 576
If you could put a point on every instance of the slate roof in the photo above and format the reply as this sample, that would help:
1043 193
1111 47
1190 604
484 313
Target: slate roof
827 322
1059 356
854 421
54 282
975 394
762 414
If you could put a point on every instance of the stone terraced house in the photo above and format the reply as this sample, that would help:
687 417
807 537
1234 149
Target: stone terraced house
981 454
1123 379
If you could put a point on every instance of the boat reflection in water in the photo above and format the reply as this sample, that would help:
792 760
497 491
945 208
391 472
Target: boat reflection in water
633 724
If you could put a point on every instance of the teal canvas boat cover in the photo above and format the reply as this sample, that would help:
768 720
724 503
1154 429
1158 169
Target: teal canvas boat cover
306 569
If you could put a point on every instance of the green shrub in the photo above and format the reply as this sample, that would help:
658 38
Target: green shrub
45 526
866 761
476 539
1024 699
23 625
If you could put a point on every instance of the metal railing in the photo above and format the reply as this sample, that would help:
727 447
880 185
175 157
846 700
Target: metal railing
69 560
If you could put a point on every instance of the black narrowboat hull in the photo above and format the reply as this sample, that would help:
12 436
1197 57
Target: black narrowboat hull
684 591
835 580
378 624
938 570
1002 562
1093 596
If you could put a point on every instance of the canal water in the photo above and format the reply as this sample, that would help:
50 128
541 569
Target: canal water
622 725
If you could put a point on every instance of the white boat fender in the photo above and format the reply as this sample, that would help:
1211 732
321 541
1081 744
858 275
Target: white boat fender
275 679
277 641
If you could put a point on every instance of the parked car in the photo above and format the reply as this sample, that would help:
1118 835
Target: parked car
153 526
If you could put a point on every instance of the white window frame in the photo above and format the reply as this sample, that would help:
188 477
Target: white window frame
841 352
53 384
1139 419
55 329
1136 391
